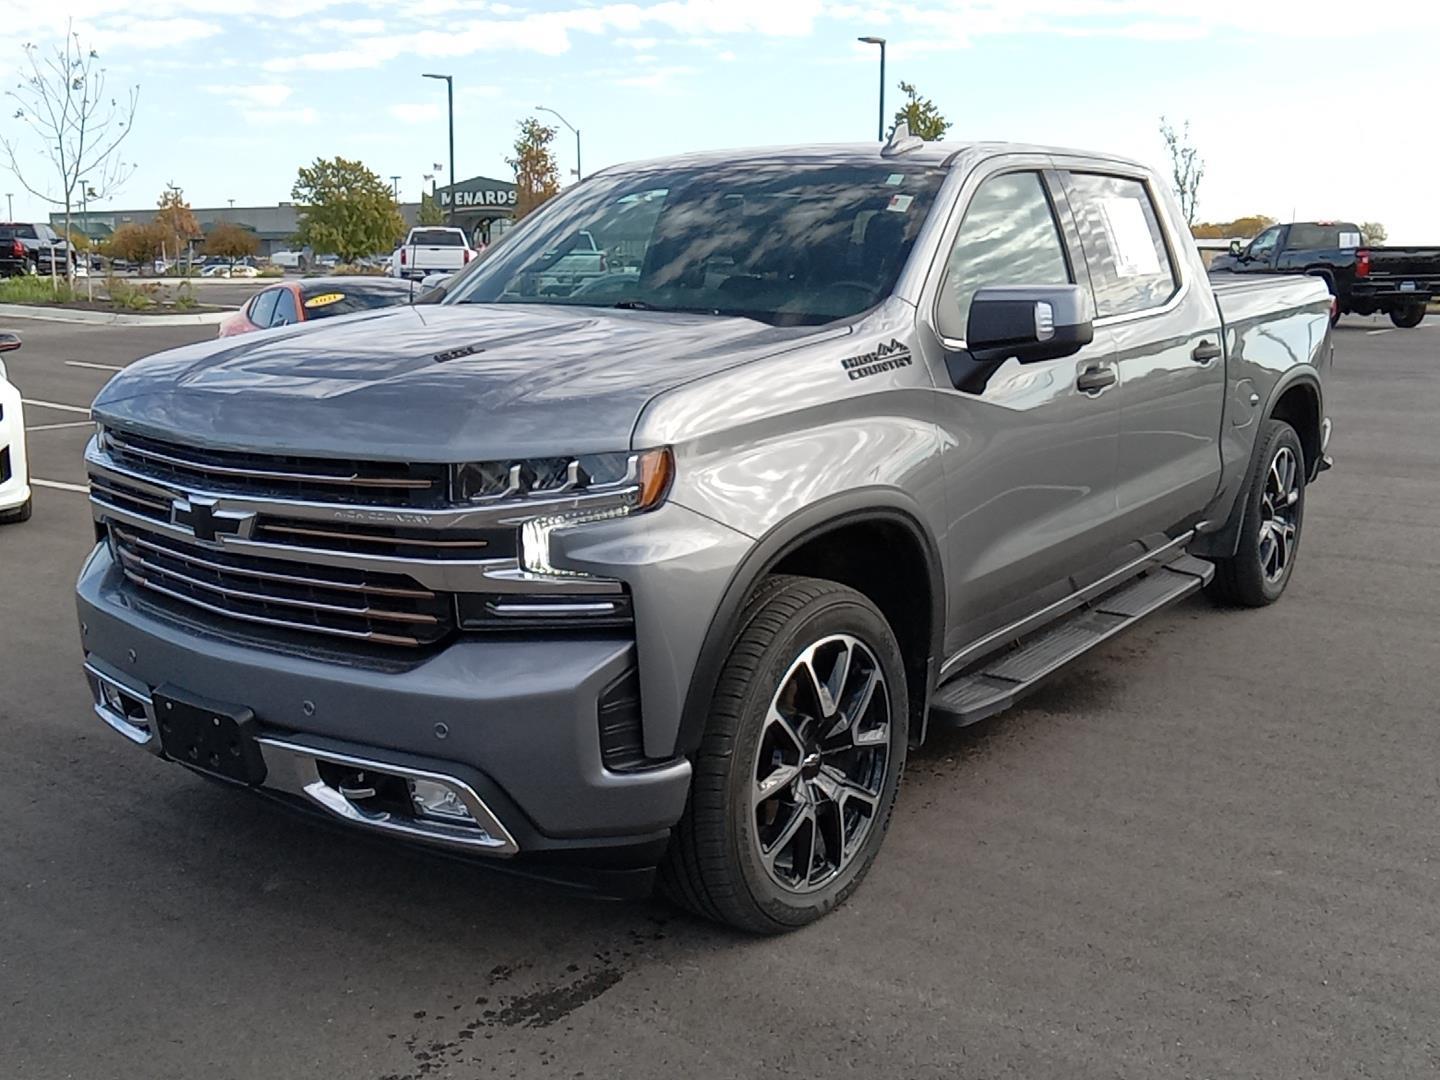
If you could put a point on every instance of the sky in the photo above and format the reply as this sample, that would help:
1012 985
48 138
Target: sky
1299 107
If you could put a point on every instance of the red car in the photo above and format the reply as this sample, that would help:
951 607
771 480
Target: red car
288 302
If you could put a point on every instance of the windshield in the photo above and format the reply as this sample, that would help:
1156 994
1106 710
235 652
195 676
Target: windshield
786 244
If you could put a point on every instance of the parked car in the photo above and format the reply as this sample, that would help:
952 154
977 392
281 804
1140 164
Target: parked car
244 270
877 439
15 499
289 302
1365 279
429 250
31 248
571 265
287 260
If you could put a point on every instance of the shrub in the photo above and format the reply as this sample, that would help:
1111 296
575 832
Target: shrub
271 271
35 289
185 296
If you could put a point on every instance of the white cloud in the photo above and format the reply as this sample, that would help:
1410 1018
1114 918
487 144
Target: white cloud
656 77
416 113
265 95
303 117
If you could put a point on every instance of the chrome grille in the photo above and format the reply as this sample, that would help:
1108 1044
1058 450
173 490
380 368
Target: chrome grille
280 476
383 609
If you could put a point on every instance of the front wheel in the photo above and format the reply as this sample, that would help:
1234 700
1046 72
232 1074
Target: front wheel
1274 509
1407 318
796 776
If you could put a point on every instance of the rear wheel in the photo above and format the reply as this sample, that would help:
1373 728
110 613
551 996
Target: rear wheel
796 777
1407 318
1260 569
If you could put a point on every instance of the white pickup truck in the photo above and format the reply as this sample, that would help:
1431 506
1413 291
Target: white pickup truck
429 250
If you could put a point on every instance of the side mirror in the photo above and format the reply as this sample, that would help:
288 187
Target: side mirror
1028 322
1236 249
9 342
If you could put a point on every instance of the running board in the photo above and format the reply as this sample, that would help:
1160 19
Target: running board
997 682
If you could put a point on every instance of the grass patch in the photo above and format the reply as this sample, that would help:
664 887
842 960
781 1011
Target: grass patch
271 271
28 289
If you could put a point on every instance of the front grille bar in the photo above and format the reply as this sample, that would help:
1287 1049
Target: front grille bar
124 446
331 534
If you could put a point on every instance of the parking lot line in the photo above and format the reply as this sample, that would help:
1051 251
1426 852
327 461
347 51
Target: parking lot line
55 405
97 367
58 485
1387 330
66 424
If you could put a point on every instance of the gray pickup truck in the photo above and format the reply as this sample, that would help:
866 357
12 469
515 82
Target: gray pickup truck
665 586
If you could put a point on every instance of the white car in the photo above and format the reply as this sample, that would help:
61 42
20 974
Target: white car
14 473
243 270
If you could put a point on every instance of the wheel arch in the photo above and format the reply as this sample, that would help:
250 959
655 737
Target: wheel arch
833 539
1298 399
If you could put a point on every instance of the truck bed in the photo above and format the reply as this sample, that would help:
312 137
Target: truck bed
1248 299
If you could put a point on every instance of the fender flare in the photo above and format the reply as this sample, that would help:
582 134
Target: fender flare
814 521
1225 541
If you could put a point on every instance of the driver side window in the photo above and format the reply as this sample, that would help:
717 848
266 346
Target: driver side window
1263 246
1008 237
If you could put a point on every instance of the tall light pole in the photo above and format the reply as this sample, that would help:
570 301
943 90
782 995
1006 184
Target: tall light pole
450 104
552 112
881 42
395 187
9 206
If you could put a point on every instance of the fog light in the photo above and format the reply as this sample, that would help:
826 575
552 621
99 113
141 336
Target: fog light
112 698
435 800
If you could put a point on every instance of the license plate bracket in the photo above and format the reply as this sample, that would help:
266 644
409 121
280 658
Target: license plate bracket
1407 286
210 736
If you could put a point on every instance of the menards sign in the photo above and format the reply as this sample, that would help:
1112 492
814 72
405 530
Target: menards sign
479 193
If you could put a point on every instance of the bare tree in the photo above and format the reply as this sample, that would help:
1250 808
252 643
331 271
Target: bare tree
1187 167
79 125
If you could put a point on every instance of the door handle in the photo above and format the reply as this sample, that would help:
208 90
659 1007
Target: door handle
1094 380
1205 352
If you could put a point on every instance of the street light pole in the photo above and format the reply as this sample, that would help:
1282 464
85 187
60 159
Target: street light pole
450 105
395 188
572 127
881 42
9 206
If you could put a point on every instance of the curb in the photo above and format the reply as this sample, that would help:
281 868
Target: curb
109 318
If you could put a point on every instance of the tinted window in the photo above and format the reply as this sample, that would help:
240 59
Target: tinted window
1130 267
1265 242
437 238
1008 237
323 301
285 311
788 244
10 232
263 307
1312 235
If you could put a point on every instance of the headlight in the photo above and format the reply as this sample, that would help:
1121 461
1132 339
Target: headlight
644 486
480 481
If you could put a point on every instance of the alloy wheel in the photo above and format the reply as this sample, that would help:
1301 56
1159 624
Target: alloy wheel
1279 515
821 763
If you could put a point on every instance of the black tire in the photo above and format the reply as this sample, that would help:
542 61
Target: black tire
1246 579
716 864
19 514
1407 318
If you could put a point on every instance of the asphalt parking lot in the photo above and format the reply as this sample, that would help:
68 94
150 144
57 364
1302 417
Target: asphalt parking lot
1210 850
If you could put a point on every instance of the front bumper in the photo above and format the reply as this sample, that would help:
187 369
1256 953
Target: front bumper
513 722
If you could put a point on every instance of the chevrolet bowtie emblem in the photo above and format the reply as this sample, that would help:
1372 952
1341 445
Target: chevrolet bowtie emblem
207 523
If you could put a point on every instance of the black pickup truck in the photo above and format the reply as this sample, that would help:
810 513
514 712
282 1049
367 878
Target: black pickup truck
30 248
1399 281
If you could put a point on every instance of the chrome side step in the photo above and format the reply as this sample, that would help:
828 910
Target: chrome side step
998 681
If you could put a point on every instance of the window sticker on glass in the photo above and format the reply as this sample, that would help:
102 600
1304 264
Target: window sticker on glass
900 203
1130 238
895 179
324 299
1349 239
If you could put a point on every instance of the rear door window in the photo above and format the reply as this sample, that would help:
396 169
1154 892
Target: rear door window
263 307
1009 237
1130 265
285 310
325 301
11 232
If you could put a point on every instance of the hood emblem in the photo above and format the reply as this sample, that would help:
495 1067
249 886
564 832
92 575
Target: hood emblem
456 354
886 357
207 523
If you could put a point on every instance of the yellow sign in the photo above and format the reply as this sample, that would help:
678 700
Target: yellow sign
324 299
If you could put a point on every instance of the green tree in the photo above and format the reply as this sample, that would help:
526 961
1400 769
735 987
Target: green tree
1187 167
537 175
345 209
1242 228
230 241
430 212
175 221
921 116
79 241
1374 232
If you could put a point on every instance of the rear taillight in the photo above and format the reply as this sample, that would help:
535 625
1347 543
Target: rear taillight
469 255
604 266
17 249
402 256
1362 263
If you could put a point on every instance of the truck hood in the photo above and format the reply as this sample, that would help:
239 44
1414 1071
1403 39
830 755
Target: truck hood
434 383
